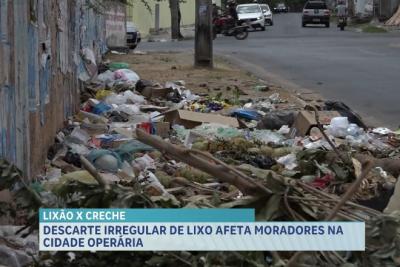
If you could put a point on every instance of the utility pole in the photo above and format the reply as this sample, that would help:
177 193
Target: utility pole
203 39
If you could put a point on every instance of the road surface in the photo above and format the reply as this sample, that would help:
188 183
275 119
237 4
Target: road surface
362 70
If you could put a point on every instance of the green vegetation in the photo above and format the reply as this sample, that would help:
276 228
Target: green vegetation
373 29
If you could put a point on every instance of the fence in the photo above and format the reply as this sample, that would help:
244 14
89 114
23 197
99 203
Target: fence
40 66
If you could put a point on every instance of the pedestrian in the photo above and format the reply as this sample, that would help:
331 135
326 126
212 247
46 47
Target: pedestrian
232 13
232 10
341 9
215 11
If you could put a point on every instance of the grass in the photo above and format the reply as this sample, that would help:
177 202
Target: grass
373 29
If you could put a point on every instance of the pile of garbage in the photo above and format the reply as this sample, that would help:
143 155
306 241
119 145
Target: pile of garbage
139 144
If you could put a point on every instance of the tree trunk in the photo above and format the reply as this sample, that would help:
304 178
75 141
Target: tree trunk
175 25
351 8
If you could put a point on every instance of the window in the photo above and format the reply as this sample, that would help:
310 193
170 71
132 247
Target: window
248 9
316 5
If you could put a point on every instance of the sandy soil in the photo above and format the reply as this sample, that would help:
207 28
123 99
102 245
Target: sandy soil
224 78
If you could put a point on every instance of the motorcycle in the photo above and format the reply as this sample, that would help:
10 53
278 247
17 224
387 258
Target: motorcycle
342 22
224 25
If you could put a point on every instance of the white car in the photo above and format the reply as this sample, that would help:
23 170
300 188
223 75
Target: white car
267 14
252 14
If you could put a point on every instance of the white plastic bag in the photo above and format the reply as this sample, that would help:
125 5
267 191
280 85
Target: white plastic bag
338 127
289 161
126 75
133 98
129 109
106 77
144 163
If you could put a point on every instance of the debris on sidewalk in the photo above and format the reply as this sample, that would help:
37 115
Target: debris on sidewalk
140 144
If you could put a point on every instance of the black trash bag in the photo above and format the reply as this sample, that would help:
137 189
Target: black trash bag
345 111
275 119
174 97
73 158
379 202
263 162
116 116
142 84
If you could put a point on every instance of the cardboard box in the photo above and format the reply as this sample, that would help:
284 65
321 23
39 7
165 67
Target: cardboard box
155 92
157 128
162 129
191 119
305 120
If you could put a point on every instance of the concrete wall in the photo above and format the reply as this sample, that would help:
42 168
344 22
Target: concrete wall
145 20
115 24
40 44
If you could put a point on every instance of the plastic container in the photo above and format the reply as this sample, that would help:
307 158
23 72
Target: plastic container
80 135
118 65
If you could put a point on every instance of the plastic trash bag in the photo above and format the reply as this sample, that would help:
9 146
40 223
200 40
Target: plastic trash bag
338 127
105 160
126 150
129 109
106 77
124 98
289 161
101 108
144 163
126 75
133 98
80 135
248 114
267 136
274 120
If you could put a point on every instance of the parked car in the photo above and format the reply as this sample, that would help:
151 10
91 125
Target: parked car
252 14
316 12
281 8
267 14
133 36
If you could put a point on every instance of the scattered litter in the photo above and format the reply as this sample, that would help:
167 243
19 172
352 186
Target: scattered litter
141 144
289 161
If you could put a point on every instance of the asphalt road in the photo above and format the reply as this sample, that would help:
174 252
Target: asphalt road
362 70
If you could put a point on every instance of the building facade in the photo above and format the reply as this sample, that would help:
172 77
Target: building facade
159 15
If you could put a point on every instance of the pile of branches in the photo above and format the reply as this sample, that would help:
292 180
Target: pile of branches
274 197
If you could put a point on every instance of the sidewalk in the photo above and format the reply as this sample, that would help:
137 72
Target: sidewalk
164 35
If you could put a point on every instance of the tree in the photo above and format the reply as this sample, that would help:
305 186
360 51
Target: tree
175 19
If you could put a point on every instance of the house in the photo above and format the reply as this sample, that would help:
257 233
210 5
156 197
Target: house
364 8
159 16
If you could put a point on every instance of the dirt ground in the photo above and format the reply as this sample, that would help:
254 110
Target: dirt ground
224 79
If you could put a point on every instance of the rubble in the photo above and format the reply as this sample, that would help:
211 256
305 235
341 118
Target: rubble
138 144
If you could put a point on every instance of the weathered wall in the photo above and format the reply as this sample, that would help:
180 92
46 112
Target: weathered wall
40 44
115 25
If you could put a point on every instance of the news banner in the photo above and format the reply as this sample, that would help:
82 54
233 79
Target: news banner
190 230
